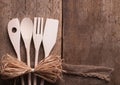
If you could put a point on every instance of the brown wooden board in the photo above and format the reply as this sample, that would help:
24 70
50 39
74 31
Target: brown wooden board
27 8
91 34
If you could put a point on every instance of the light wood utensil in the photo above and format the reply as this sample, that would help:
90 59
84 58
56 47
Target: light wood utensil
37 38
26 32
49 37
14 35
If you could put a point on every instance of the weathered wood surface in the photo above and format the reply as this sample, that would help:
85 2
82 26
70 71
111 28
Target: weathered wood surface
90 33
27 8
91 36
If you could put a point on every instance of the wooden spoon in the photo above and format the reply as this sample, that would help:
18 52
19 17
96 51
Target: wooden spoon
26 31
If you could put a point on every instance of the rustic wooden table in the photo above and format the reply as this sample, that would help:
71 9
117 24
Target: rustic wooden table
90 34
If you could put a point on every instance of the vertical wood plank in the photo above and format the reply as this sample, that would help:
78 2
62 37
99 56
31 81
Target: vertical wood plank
27 8
91 33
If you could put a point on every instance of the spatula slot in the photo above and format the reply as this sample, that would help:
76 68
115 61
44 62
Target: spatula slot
14 29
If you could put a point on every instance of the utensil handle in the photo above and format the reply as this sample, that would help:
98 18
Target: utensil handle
22 80
36 62
42 82
29 79
18 56
28 63
28 56
36 57
35 80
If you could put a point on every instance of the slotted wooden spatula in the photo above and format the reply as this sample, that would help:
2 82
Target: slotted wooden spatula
14 35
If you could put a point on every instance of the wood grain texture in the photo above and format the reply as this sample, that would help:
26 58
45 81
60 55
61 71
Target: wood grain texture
91 36
27 8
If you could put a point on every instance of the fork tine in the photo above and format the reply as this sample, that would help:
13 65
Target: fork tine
35 24
41 26
38 27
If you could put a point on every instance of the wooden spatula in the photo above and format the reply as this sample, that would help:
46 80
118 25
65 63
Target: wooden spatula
14 35
49 37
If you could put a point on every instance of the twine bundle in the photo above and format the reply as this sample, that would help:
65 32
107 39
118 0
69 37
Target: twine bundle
49 68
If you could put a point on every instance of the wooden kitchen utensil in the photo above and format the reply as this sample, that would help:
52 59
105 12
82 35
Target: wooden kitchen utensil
37 38
26 31
14 35
49 37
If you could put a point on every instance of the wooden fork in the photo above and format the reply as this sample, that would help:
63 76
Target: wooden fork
37 38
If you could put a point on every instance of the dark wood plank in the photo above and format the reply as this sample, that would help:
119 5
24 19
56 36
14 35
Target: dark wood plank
27 8
91 37
9 9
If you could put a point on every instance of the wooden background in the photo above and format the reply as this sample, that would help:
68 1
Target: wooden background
27 8
91 36
88 33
